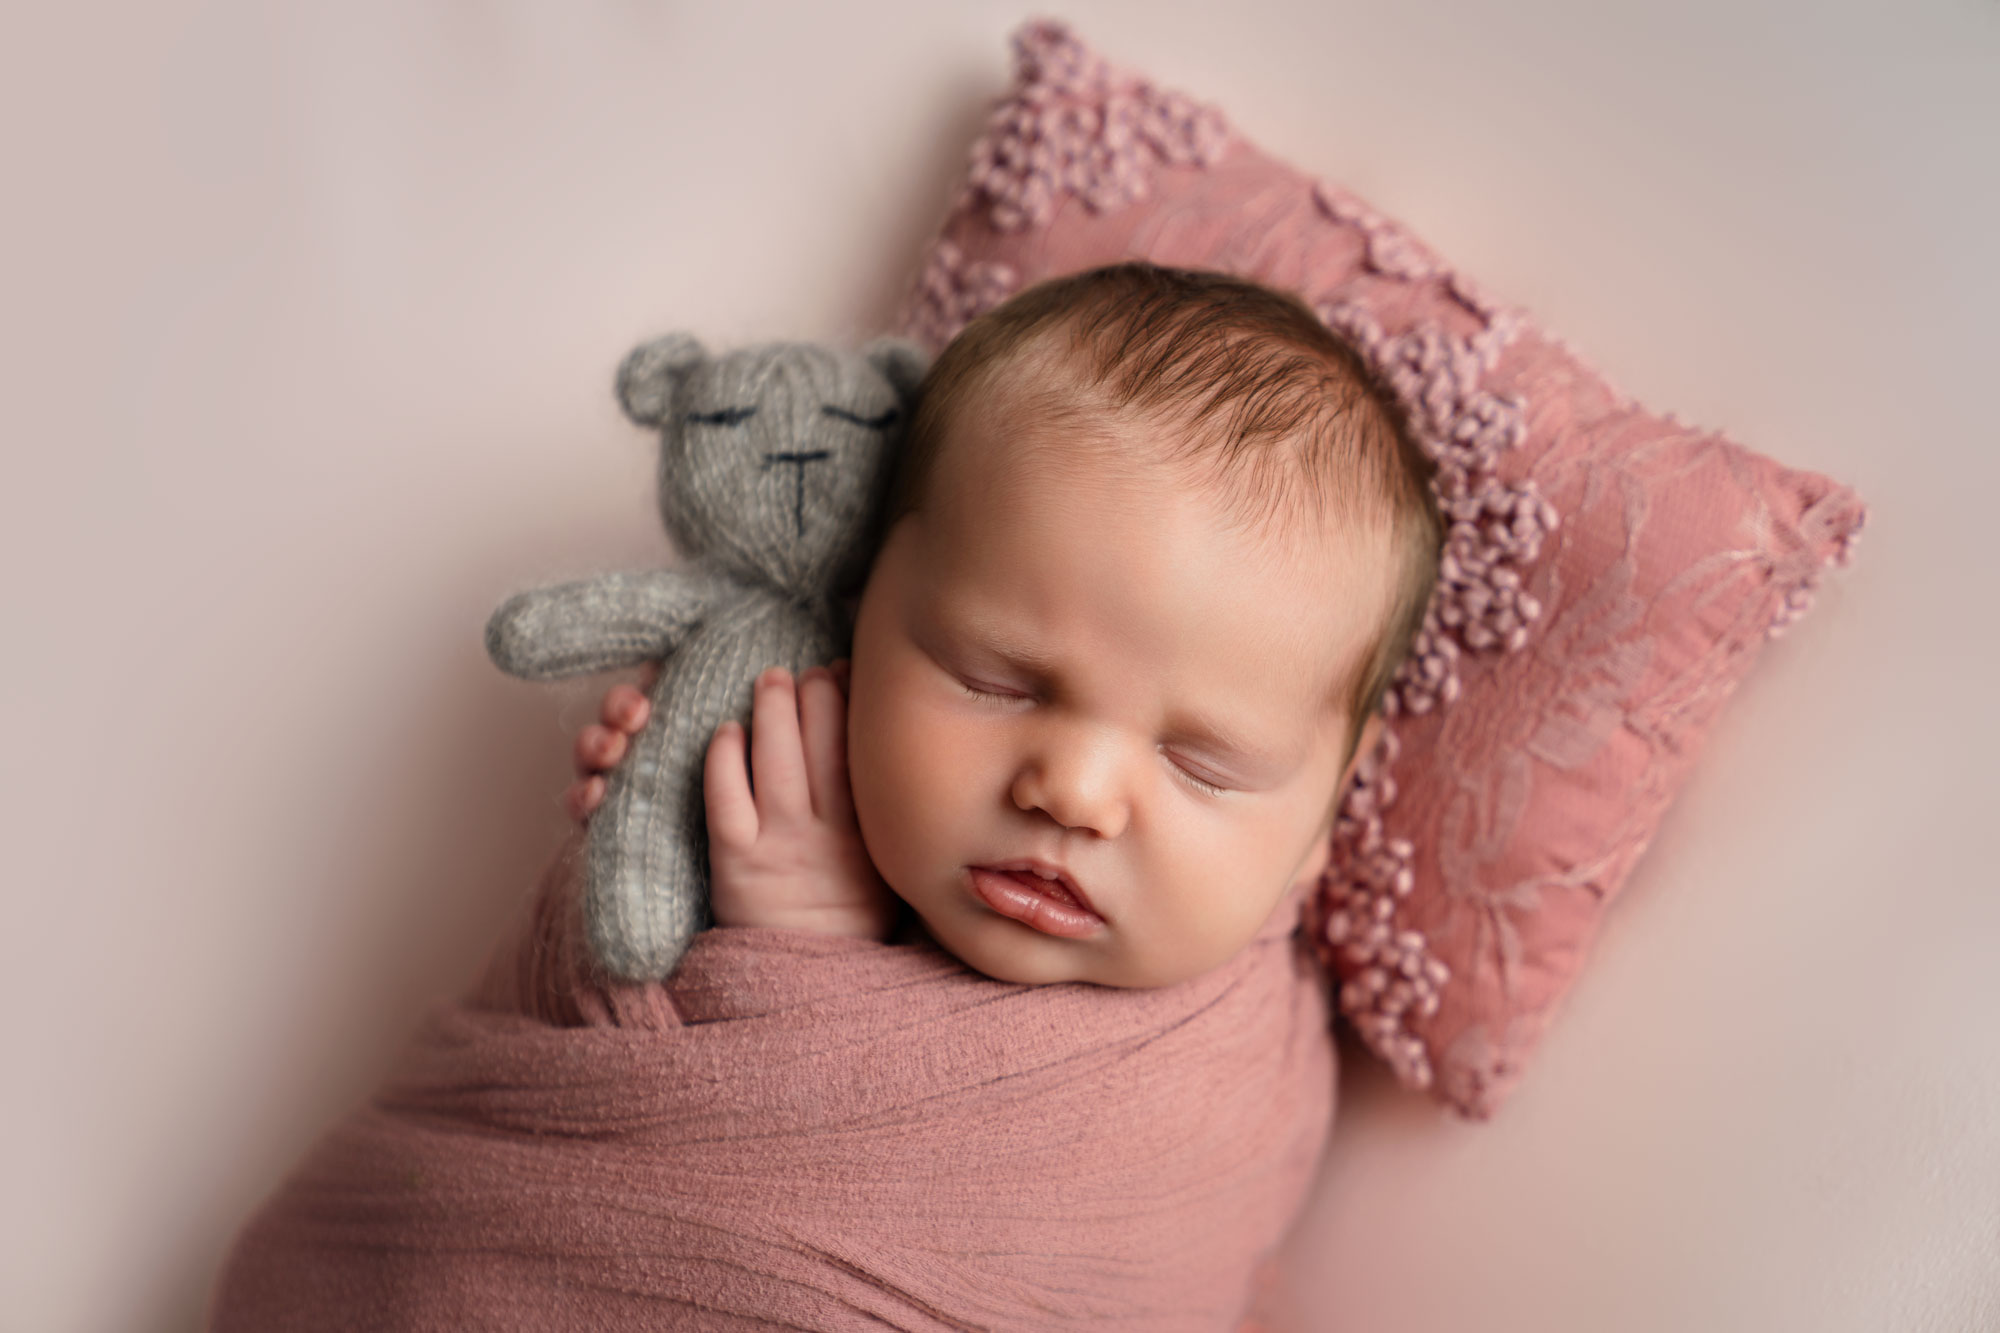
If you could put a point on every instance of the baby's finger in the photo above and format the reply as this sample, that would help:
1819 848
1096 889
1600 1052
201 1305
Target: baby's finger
625 709
823 728
840 671
777 758
583 798
725 790
597 749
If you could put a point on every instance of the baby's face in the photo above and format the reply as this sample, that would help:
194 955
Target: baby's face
1079 666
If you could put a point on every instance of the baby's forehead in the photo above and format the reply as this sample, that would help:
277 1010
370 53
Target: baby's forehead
1322 587
1031 413
1034 423
1039 415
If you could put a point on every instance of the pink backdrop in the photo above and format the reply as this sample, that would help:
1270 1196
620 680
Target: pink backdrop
313 319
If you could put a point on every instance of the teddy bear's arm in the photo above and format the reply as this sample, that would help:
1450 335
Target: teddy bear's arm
615 620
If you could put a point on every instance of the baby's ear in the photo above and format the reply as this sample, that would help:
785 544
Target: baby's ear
901 362
1364 745
1317 860
650 374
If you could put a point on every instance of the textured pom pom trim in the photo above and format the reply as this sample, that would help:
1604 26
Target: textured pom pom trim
951 292
1074 126
1494 531
1070 127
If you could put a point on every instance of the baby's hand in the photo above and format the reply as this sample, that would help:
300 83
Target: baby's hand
600 746
789 852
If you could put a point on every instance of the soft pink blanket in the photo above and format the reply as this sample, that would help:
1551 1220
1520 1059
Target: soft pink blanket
799 1131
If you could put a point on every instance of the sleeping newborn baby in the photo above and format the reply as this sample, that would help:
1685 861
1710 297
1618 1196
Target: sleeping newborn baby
1154 553
1009 1024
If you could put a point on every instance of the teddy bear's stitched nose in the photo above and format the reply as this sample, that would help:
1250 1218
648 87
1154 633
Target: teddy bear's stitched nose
801 457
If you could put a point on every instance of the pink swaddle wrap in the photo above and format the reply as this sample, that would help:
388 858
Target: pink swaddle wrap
807 1131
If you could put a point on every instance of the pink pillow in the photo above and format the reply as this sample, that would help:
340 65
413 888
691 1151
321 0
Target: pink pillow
1610 574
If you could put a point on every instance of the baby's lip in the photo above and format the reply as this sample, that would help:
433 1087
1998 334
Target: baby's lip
1058 878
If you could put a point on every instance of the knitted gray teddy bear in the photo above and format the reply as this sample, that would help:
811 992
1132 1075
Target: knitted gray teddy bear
773 462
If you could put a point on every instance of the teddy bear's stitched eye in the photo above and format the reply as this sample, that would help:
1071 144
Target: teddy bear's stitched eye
882 422
728 416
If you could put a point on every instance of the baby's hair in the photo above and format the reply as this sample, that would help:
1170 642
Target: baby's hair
1266 396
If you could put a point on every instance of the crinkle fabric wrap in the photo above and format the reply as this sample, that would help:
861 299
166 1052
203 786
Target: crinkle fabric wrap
802 1131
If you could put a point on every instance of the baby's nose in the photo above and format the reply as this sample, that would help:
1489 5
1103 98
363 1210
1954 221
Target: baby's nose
1078 781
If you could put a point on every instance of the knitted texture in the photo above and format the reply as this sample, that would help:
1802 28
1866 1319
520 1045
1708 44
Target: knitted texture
773 461
802 1131
1608 577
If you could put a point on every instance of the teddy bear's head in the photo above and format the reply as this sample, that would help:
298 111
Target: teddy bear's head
774 458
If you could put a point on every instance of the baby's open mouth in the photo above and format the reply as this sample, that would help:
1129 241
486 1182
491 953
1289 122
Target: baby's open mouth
1046 901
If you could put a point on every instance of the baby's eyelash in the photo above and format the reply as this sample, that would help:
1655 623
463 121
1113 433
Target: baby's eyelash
1206 788
978 693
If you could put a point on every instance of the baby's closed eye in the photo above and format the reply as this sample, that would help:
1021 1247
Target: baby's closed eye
1202 780
984 690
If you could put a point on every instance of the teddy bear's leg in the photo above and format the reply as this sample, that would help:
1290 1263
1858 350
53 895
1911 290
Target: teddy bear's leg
648 852
647 858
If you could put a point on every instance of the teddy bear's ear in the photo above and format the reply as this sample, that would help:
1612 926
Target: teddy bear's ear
647 379
900 361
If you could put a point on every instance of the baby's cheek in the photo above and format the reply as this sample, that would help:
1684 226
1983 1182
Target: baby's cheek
893 789
1217 914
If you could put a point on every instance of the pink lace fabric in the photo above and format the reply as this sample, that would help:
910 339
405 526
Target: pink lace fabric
1609 574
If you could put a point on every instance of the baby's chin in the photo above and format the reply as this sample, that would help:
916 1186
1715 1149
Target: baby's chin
1006 951
991 949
